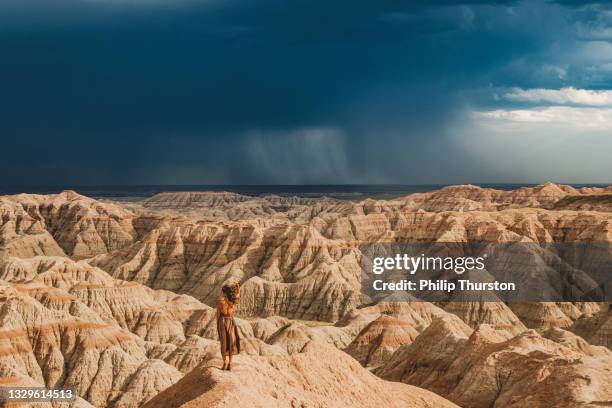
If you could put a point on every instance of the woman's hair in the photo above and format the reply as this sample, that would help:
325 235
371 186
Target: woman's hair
231 292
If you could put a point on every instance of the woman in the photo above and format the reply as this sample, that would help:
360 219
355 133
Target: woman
226 326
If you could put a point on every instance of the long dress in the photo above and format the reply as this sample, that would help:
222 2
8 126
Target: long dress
226 328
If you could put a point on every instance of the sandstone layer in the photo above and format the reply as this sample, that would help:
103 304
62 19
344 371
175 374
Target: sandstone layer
116 300
480 368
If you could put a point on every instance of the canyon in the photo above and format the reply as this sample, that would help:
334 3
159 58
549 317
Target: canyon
116 300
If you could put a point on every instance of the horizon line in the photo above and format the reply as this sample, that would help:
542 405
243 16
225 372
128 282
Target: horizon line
68 185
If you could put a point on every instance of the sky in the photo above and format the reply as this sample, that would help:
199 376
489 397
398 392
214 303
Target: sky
105 92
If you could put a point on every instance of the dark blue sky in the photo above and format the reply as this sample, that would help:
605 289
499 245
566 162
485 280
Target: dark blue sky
207 92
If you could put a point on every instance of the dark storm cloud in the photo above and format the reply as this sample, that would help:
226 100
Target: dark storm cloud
184 91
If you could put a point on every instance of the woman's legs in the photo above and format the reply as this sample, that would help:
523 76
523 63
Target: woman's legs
224 366
231 331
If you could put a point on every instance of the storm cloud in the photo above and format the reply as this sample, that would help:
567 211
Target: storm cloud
187 92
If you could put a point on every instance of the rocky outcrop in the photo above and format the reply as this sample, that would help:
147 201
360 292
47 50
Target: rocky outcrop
61 224
118 343
304 264
298 271
60 342
541 315
482 368
117 303
379 340
576 343
232 206
494 313
596 328
417 315
317 376
216 206
152 315
474 198
288 270
591 202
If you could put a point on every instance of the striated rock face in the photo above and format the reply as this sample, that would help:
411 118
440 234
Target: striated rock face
287 270
117 302
596 328
474 198
118 343
481 368
216 206
379 339
317 376
195 199
61 224
575 342
51 338
590 202
68 324
152 315
301 262
232 206
495 314
541 315
417 315
311 271
402 218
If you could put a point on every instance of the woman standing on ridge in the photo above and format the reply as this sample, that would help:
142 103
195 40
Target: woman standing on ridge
226 326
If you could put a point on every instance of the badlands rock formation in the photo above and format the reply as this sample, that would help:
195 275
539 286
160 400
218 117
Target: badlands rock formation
596 328
289 270
496 314
62 224
303 265
56 341
310 269
482 369
67 324
453 198
590 202
317 376
379 339
116 300
72 325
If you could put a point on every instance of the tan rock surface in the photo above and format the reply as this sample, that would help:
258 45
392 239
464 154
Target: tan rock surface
417 315
483 369
58 224
304 266
591 202
536 315
596 328
63 343
232 206
575 342
379 340
470 198
287 270
496 314
135 315
318 376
